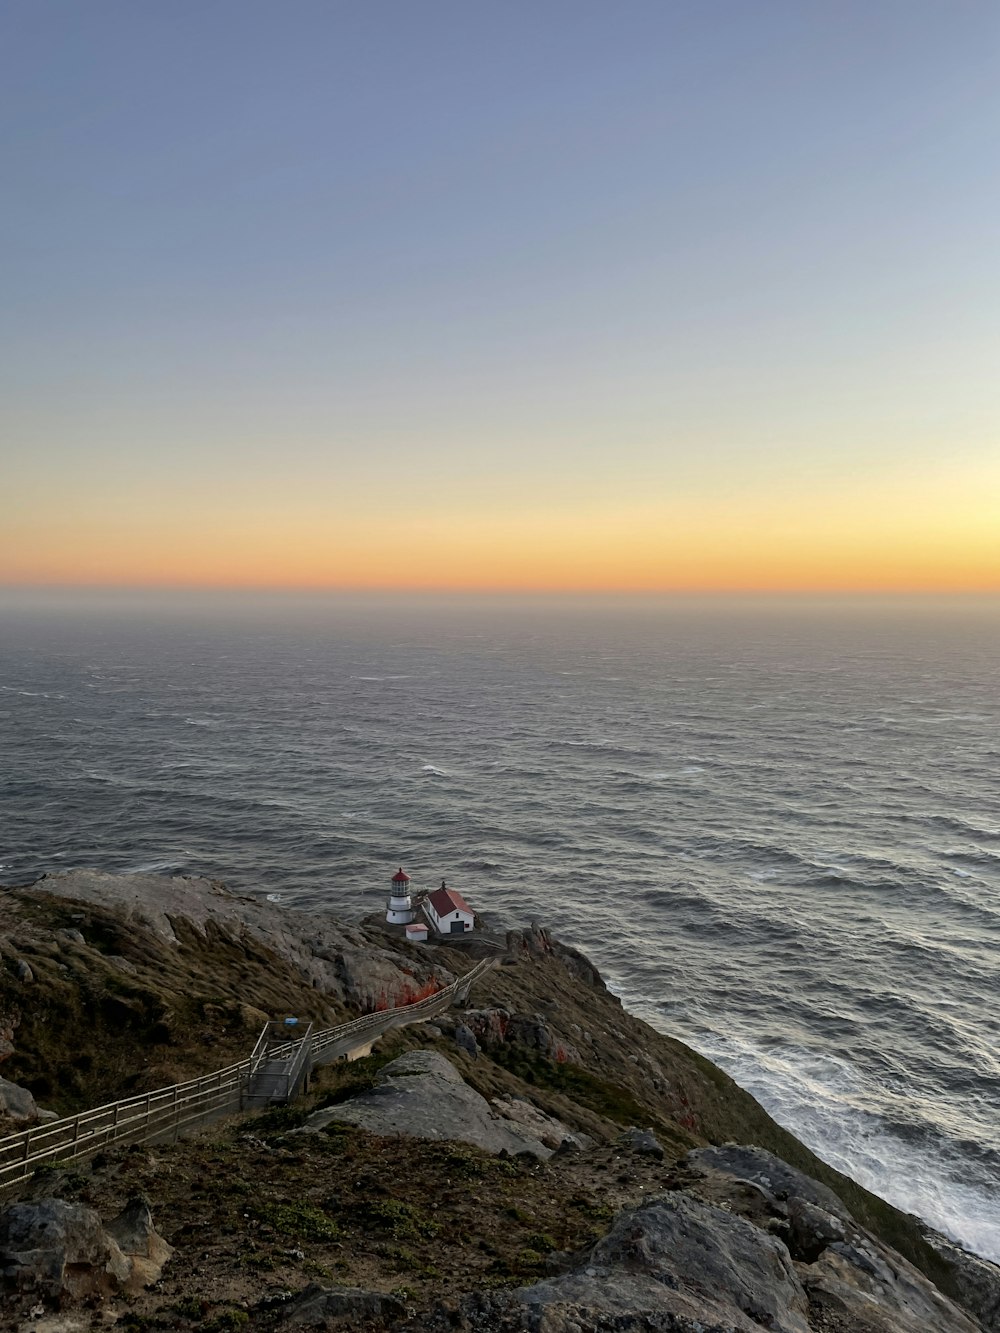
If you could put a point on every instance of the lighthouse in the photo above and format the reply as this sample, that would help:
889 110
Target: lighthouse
400 909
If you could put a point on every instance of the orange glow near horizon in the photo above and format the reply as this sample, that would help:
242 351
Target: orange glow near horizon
939 535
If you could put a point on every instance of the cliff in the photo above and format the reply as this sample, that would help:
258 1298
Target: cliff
564 1166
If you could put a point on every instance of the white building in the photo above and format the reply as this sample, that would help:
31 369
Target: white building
417 932
399 911
448 912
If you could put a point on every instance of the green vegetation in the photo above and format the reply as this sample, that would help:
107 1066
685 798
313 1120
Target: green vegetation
357 1076
225 1321
280 1119
299 1221
580 1085
402 1221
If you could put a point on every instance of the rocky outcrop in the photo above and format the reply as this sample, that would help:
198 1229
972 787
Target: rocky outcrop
422 1095
846 1272
643 1141
335 958
549 1131
679 1264
60 1251
673 1264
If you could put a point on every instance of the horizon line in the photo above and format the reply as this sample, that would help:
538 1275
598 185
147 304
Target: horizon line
509 590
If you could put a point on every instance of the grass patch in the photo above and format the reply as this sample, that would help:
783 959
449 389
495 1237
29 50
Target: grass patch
356 1076
299 1221
579 1085
279 1119
400 1220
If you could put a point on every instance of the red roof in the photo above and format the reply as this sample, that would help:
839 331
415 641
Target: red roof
447 900
400 877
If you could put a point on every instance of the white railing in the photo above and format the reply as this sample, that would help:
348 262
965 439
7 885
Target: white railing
169 1112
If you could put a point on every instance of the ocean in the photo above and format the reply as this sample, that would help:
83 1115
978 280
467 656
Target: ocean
774 826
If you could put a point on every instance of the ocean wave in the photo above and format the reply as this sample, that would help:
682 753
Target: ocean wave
820 1097
955 824
435 771
600 747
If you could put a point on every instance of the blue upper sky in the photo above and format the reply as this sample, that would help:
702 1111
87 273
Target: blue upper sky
565 247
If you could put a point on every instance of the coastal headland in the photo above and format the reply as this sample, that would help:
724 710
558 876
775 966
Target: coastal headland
535 1158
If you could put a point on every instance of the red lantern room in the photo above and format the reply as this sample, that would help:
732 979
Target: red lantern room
399 910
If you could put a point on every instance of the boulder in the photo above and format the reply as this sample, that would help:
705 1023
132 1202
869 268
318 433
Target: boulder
811 1229
61 1251
422 1095
847 1273
138 1240
489 1026
755 1165
546 1128
17 1103
340 1307
465 1041
643 1141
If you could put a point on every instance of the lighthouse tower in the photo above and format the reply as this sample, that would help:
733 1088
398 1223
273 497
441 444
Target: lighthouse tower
400 909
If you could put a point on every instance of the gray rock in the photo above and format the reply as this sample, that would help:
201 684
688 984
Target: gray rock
643 1141
422 1095
465 1041
674 1265
340 1307
857 1279
133 1230
58 1249
764 1169
978 1278
17 1102
546 1128
70 936
24 972
811 1229
6 1049
489 1026
844 1269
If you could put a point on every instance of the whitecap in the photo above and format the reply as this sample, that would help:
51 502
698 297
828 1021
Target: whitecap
826 1101
437 772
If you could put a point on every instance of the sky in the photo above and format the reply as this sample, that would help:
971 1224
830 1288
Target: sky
421 294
